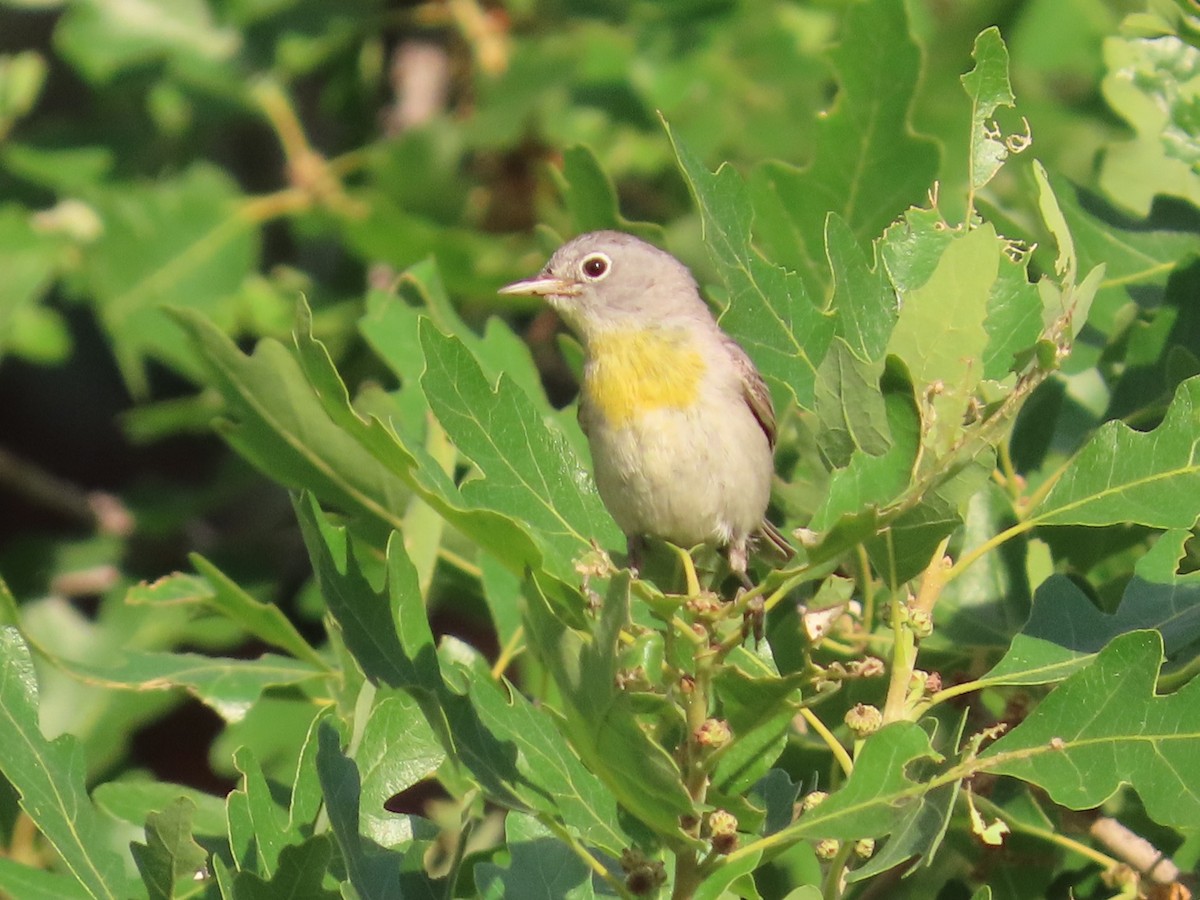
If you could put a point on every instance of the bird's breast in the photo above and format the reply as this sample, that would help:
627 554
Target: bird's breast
630 373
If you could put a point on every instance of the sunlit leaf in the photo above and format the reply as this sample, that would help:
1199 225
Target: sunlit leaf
1105 727
49 776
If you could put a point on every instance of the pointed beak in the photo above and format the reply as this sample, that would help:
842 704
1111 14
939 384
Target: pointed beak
543 286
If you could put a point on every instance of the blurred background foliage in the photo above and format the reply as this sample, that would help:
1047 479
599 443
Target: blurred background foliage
227 156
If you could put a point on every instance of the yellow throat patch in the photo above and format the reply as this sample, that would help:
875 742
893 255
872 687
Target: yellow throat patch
630 373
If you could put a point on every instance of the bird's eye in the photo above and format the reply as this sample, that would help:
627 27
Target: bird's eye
596 266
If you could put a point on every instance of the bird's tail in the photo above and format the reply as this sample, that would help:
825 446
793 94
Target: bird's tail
776 540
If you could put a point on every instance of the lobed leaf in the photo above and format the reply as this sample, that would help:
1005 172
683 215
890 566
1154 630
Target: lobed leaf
868 166
1104 727
988 87
540 865
1122 475
769 311
512 748
279 425
940 334
864 301
1065 629
528 470
170 854
371 870
600 719
49 776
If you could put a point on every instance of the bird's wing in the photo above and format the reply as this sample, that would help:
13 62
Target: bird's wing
754 389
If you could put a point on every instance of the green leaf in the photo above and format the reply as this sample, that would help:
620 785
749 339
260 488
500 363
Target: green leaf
988 87
850 408
181 241
871 482
264 621
769 311
302 871
1066 264
918 835
1105 727
258 827
868 165
1133 255
392 327
876 798
1122 475
600 719
759 706
1065 629
511 747
228 686
276 422
509 539
103 37
591 198
940 334
1014 318
528 469
1150 83
170 854
865 303
49 776
27 883
385 642
541 866
133 800
31 262
398 749
548 763
372 871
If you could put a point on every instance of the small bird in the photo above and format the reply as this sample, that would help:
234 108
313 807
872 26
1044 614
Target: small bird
679 421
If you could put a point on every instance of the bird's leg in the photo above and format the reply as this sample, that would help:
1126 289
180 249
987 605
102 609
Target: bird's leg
635 546
755 612
738 557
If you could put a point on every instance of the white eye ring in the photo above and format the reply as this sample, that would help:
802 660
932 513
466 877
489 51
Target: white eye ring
596 266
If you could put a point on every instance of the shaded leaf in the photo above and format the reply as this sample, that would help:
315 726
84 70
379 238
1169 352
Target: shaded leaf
511 747
1132 254
372 871
600 719
507 538
850 408
300 876
170 854
541 866
865 303
276 422
1150 83
1065 629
